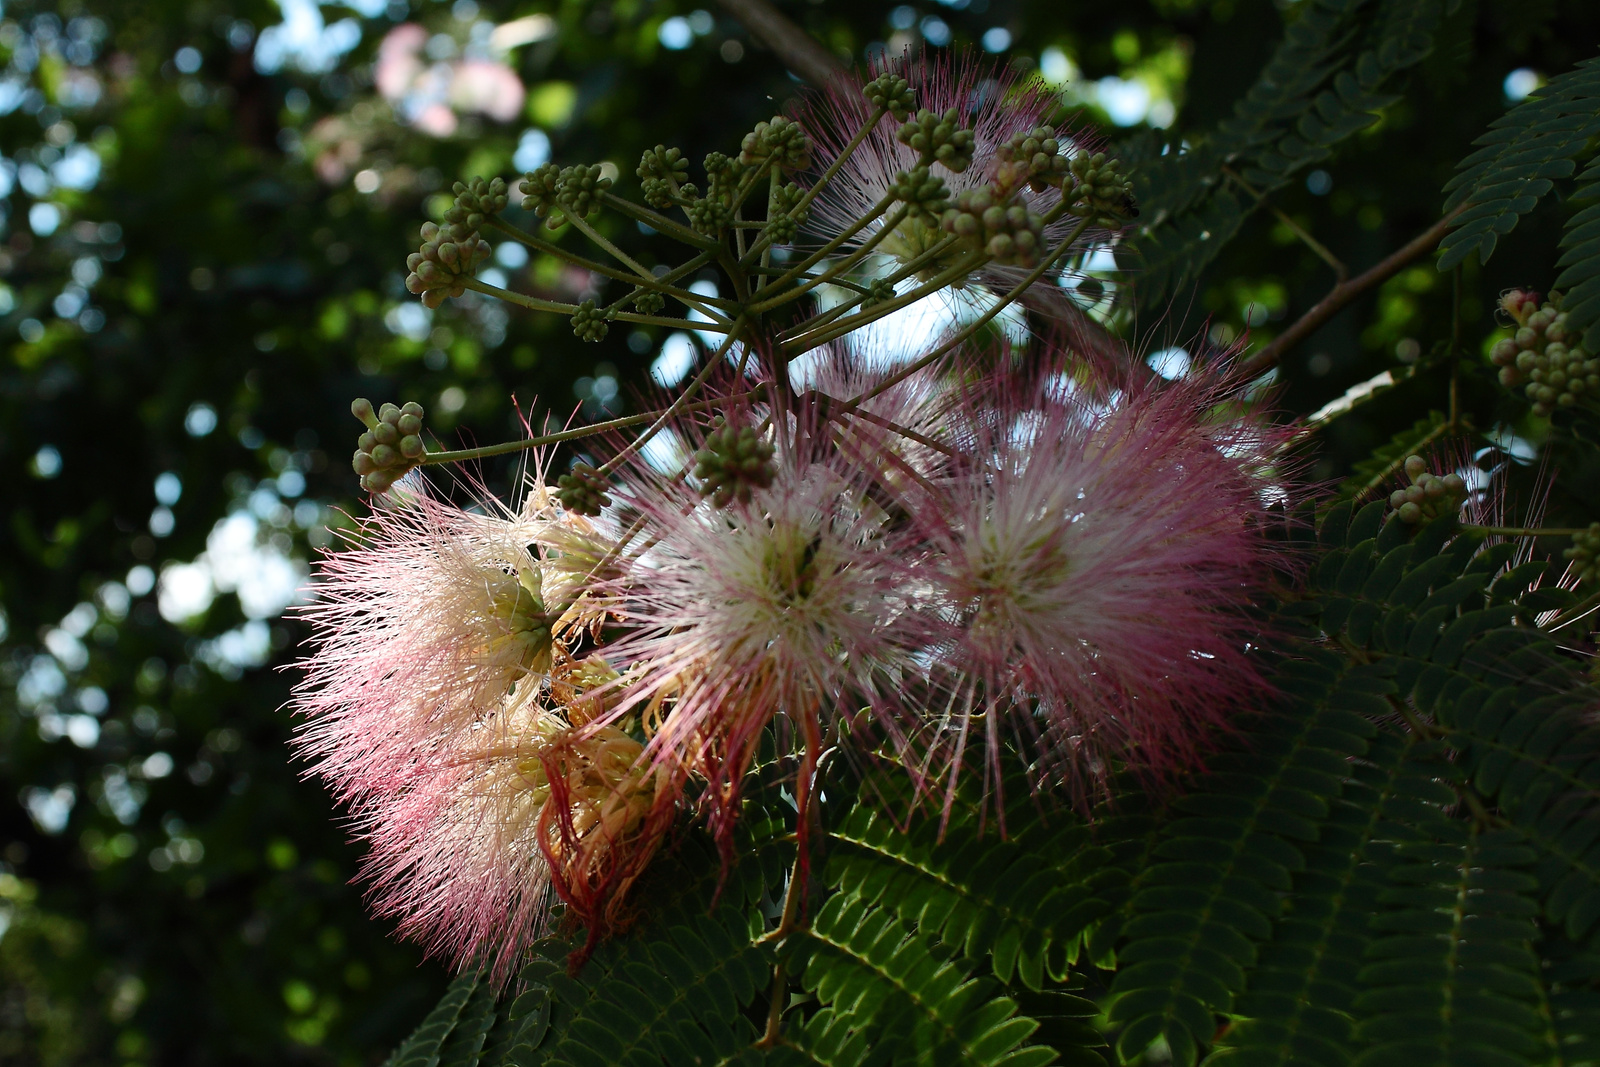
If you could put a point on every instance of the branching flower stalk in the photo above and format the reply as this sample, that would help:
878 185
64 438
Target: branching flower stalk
849 551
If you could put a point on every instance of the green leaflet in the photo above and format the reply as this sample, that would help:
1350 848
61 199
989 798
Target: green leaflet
1326 81
1297 1001
422 1048
1023 900
1212 887
1523 152
1580 263
1451 976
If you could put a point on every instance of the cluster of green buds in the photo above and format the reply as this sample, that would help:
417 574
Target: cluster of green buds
447 258
1429 496
583 490
1543 358
780 140
785 216
590 322
732 464
1034 157
922 192
663 172
391 446
477 201
556 193
711 214
939 138
1013 235
1101 188
892 93
1584 553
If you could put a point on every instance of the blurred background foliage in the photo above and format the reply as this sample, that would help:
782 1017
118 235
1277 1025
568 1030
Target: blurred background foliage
204 210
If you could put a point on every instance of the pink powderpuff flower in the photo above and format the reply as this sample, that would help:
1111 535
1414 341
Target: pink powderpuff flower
1095 558
989 100
537 800
782 606
427 624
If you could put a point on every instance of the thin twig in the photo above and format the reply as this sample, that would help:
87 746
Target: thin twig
1343 293
794 47
1340 272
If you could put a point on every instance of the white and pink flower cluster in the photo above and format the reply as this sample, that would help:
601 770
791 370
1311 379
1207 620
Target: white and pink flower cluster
1017 558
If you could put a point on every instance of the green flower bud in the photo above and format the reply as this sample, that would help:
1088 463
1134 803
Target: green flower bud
780 140
391 447
648 301
732 464
663 164
878 292
583 491
539 187
922 192
892 93
939 138
443 263
578 190
589 322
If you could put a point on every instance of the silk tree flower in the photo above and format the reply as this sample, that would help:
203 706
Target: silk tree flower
987 98
778 607
1096 560
429 621
443 704
536 800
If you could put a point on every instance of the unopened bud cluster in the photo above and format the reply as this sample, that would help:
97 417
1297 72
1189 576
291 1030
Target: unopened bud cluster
780 140
892 93
921 191
1584 553
589 322
557 193
939 138
1013 235
391 446
1429 496
1543 358
1034 157
1101 188
583 490
477 201
448 257
732 464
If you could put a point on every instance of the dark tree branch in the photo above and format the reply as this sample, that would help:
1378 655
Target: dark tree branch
1342 294
796 48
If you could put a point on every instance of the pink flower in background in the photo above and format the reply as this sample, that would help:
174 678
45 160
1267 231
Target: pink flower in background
989 101
431 97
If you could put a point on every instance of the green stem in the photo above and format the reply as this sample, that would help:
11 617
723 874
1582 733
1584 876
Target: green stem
680 404
673 275
978 324
509 447
658 222
832 171
959 270
914 266
651 282
693 300
536 304
828 249
843 266
1520 531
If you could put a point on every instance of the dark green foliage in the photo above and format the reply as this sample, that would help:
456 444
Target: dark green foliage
1580 278
1328 80
1522 155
